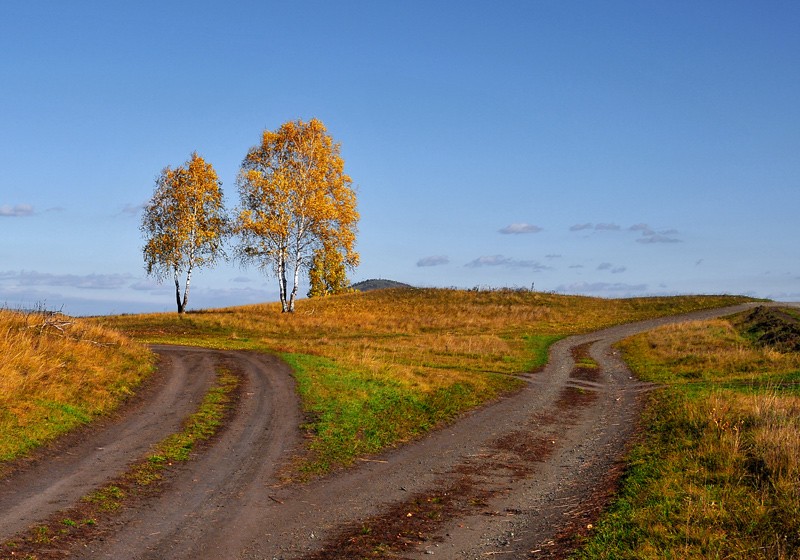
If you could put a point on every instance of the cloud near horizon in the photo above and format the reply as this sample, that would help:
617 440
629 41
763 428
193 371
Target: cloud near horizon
648 234
595 227
601 287
82 282
515 229
502 260
16 211
433 260
611 268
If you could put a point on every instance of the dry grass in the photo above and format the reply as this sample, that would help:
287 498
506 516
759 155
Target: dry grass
718 474
413 333
58 372
708 351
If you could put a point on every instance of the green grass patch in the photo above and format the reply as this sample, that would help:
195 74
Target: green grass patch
352 413
538 345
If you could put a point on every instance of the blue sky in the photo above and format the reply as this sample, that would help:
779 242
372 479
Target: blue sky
605 148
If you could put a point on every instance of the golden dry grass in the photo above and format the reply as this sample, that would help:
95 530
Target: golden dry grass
717 474
58 372
412 335
706 351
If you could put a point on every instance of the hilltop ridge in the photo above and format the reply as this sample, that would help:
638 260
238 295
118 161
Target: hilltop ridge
378 284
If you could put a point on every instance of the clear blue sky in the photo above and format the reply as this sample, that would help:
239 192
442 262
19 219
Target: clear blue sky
604 148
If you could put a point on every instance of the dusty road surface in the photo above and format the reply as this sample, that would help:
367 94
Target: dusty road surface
505 480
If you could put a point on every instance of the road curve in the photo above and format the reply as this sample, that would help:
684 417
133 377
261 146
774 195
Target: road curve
227 503
82 462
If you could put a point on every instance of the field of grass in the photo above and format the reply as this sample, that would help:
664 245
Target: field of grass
378 368
717 473
57 373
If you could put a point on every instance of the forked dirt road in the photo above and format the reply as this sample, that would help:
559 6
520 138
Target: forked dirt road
511 476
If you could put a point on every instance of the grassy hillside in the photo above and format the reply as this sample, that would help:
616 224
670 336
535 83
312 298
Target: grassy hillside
57 373
382 367
717 474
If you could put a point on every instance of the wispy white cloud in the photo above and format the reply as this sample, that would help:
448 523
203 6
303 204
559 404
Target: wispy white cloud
490 260
83 282
434 260
16 211
658 238
596 227
611 268
650 235
520 228
616 288
151 285
501 260
644 228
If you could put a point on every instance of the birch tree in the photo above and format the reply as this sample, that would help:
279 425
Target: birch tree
296 201
184 224
328 273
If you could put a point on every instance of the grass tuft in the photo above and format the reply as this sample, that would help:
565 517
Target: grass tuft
58 373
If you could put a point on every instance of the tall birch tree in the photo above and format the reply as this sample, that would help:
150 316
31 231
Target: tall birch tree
185 224
296 202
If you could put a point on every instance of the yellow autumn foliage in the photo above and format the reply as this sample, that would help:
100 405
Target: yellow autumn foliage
296 201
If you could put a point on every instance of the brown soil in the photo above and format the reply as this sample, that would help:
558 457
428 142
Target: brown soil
521 478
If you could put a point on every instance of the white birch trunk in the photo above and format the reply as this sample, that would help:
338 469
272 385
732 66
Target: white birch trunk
282 281
178 291
186 289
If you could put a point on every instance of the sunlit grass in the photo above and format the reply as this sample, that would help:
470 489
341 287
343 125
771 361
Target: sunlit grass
379 368
58 372
718 472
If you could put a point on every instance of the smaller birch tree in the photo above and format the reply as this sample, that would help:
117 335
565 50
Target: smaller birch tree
296 202
185 224
328 273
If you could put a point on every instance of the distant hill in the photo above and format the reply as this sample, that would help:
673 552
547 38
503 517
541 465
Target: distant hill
374 284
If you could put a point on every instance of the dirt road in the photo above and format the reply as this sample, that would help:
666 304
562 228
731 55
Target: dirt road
506 478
